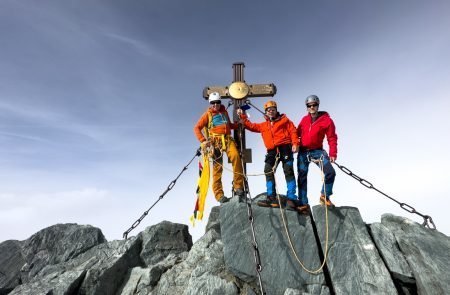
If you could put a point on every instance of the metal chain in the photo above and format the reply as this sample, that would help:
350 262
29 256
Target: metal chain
171 185
248 201
427 220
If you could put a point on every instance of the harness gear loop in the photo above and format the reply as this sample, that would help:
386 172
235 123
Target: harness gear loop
314 160
171 185
427 220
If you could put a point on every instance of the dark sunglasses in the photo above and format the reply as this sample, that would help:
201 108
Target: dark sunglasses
215 102
312 105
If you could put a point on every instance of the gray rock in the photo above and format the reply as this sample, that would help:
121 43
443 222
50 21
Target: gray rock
11 261
311 289
100 270
353 261
138 279
394 259
163 239
142 280
108 265
426 251
55 283
214 219
280 268
290 291
64 260
202 272
55 244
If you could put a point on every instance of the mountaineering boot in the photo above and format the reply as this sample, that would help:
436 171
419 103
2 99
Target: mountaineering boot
270 202
223 200
294 205
240 194
327 202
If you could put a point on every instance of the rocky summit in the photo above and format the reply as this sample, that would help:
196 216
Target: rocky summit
245 250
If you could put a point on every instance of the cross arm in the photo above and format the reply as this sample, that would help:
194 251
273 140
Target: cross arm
255 90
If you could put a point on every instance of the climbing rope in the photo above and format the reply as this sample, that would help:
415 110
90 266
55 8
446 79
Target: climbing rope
171 185
283 217
427 220
250 213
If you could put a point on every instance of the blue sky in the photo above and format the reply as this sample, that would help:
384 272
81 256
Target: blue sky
98 100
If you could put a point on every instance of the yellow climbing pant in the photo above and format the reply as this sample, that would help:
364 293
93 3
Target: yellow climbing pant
221 142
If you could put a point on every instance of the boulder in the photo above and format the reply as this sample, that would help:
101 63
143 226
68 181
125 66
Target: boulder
163 239
353 261
100 270
426 251
280 268
393 258
56 244
11 261
202 272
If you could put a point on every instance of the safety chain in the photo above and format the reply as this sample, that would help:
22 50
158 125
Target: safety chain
426 218
171 185
248 200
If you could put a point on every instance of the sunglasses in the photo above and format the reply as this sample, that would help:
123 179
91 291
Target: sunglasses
312 105
215 102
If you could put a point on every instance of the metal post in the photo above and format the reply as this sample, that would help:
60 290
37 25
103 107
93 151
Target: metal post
238 76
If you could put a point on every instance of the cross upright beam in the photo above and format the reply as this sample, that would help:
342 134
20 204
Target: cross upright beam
239 91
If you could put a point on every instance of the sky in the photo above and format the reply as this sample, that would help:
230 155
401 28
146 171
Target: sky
98 100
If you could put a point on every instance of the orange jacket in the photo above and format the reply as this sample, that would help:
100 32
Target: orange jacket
220 123
274 133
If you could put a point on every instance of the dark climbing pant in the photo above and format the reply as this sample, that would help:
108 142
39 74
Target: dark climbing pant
303 160
287 158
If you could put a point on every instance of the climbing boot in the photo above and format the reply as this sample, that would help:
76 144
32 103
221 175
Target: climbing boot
240 194
304 209
325 201
270 202
294 205
223 200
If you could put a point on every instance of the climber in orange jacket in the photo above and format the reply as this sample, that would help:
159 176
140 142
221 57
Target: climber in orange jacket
280 138
217 134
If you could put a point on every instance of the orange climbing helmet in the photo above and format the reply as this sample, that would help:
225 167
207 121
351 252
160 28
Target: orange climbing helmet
269 104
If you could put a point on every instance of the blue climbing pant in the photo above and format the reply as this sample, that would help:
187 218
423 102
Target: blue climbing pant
287 159
303 160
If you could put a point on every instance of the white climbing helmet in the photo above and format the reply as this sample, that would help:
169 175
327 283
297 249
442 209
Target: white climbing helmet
214 96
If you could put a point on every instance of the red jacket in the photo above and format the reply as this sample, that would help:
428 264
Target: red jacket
312 134
275 133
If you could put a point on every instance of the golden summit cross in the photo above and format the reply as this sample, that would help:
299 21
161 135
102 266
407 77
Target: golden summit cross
239 92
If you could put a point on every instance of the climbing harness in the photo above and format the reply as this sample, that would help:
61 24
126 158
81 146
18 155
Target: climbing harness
171 185
283 217
427 220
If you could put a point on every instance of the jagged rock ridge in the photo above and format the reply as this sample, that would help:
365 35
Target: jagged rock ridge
395 256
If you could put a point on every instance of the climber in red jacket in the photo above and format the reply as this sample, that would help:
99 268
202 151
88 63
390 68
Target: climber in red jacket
312 130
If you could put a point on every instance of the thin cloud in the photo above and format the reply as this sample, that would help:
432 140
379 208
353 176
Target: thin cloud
140 46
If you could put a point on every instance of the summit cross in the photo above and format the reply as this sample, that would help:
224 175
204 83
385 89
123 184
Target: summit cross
239 92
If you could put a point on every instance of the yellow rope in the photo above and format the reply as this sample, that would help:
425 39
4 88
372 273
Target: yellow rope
289 236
